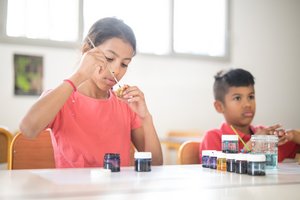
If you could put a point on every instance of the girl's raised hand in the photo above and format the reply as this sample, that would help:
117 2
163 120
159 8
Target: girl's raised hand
91 61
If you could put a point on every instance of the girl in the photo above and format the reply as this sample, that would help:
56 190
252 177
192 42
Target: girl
87 119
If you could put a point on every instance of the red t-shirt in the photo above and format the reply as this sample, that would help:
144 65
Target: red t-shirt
212 140
86 128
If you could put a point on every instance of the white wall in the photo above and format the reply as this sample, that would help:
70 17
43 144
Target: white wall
264 39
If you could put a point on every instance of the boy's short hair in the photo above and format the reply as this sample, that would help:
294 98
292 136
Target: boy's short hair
225 79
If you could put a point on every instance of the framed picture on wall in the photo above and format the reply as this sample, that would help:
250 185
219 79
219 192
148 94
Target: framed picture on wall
28 75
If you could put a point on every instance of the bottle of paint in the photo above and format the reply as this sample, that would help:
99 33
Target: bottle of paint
241 163
112 161
213 159
221 161
268 145
205 158
256 164
230 162
230 144
143 161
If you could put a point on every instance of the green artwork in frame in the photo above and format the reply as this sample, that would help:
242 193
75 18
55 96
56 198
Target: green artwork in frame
28 74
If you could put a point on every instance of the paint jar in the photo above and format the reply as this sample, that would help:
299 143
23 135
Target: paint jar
230 144
241 163
205 158
213 159
256 164
230 162
221 161
143 161
268 145
112 161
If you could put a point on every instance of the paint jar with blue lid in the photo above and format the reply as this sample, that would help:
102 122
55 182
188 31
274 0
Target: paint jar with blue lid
112 161
143 161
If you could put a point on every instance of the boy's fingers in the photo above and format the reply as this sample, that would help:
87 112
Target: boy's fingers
274 127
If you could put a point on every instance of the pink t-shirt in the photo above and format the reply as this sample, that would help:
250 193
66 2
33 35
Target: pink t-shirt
86 128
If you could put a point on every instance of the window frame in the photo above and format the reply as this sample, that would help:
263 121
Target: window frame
70 45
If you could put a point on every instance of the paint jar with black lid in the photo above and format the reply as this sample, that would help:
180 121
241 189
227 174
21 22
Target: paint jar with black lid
143 161
112 161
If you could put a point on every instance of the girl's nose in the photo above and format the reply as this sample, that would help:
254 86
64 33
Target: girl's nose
115 69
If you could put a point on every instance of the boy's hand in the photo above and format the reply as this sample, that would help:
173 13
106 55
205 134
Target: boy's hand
271 130
285 136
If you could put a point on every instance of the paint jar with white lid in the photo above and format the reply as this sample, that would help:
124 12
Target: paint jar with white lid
205 158
213 159
256 164
221 161
268 145
143 161
230 162
241 163
230 144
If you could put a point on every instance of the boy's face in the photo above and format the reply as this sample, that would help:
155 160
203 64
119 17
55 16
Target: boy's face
239 106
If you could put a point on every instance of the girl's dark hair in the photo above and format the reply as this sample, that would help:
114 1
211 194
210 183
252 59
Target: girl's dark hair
225 79
107 28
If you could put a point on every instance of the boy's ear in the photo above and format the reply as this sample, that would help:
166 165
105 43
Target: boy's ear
219 106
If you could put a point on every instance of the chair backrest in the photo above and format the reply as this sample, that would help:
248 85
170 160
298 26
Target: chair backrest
188 153
34 153
5 141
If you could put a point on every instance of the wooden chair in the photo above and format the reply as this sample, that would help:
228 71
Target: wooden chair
173 141
34 153
5 141
188 153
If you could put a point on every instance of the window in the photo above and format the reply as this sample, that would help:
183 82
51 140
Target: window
148 19
201 30
43 19
162 27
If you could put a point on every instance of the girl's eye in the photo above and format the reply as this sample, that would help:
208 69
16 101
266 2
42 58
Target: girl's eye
251 97
109 59
124 65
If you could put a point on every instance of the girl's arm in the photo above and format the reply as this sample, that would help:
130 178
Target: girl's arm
145 139
46 108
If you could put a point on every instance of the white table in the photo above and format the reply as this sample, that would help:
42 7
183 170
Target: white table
163 182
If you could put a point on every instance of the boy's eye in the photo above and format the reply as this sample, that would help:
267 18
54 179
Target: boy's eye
251 97
237 98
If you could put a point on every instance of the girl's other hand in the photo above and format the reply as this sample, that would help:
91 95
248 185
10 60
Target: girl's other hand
136 100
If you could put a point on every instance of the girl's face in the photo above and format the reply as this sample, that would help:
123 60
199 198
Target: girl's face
239 106
118 54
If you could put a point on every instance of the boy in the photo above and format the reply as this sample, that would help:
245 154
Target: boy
235 99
